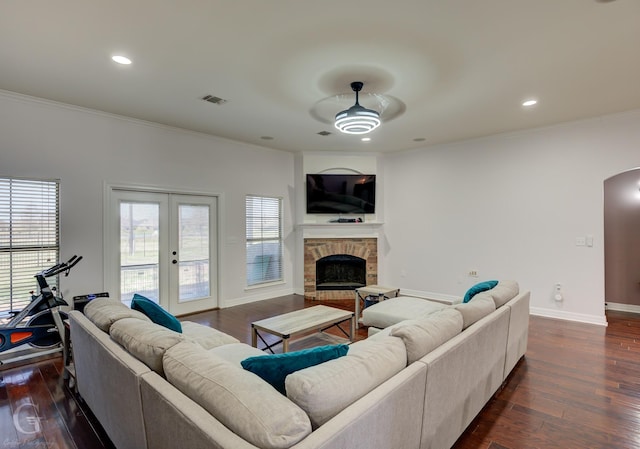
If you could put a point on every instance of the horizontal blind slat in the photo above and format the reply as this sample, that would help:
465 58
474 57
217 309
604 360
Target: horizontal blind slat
29 237
263 239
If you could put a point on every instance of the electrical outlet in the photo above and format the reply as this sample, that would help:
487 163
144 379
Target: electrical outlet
473 273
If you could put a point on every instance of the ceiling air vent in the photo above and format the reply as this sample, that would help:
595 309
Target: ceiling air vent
213 99
324 133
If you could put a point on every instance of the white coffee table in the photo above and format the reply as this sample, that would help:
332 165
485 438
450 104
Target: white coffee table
302 321
378 291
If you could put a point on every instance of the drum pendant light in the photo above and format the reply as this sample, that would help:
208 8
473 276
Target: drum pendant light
356 119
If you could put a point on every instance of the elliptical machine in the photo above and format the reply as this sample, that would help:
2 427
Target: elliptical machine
40 324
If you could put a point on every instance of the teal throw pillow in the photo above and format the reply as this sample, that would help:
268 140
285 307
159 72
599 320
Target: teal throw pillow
273 368
155 313
478 288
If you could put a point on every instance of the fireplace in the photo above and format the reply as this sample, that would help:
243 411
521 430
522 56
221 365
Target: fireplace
345 264
340 272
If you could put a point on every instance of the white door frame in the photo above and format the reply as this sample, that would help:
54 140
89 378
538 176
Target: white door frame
111 256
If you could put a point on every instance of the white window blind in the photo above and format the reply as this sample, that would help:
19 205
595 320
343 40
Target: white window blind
29 237
264 239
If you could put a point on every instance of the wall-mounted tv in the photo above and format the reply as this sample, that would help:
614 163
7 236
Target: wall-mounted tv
341 194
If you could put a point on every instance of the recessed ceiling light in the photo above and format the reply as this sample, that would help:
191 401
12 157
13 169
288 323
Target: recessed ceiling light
121 59
529 103
366 139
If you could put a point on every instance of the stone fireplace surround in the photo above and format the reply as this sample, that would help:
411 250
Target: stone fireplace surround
317 248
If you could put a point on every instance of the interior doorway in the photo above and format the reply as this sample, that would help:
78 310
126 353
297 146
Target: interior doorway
622 239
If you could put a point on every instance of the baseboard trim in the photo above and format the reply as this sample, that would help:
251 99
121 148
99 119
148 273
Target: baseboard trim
562 315
257 297
622 307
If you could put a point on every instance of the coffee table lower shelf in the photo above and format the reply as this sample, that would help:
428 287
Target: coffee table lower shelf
300 322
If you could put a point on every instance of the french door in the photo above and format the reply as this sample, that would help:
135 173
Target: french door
163 246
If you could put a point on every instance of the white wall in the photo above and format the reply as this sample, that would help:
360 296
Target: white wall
85 149
511 207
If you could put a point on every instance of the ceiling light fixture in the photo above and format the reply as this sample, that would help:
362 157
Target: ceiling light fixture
529 103
121 59
356 119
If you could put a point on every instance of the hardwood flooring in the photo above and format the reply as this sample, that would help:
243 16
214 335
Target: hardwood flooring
577 387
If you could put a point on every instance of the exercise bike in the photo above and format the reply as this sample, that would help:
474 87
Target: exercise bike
40 324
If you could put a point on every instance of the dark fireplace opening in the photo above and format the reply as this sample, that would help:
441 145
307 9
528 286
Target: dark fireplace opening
340 272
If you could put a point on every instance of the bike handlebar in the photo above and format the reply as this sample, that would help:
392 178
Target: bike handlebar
59 268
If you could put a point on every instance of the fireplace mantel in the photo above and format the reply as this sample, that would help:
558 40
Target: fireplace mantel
363 225
340 230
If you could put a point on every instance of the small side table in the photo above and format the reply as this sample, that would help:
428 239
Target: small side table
375 291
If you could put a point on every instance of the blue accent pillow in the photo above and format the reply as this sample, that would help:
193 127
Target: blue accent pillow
273 368
481 287
155 313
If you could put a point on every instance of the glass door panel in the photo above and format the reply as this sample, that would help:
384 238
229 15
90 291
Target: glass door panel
193 252
192 245
139 250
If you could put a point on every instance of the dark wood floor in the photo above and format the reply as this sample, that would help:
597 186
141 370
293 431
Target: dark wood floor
577 387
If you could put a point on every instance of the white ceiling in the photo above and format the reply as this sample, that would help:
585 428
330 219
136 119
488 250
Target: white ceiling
450 69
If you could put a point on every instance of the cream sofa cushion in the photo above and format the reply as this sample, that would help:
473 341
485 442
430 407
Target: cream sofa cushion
239 399
144 340
236 352
103 312
480 306
206 336
504 292
423 335
392 311
373 333
326 389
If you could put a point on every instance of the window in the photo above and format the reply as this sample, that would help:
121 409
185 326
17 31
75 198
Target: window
264 239
29 237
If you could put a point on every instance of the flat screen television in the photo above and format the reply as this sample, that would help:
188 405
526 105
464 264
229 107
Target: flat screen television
341 194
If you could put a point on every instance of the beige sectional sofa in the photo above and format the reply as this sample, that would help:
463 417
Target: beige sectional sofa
416 384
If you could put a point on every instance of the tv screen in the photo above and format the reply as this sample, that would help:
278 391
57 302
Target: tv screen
341 194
